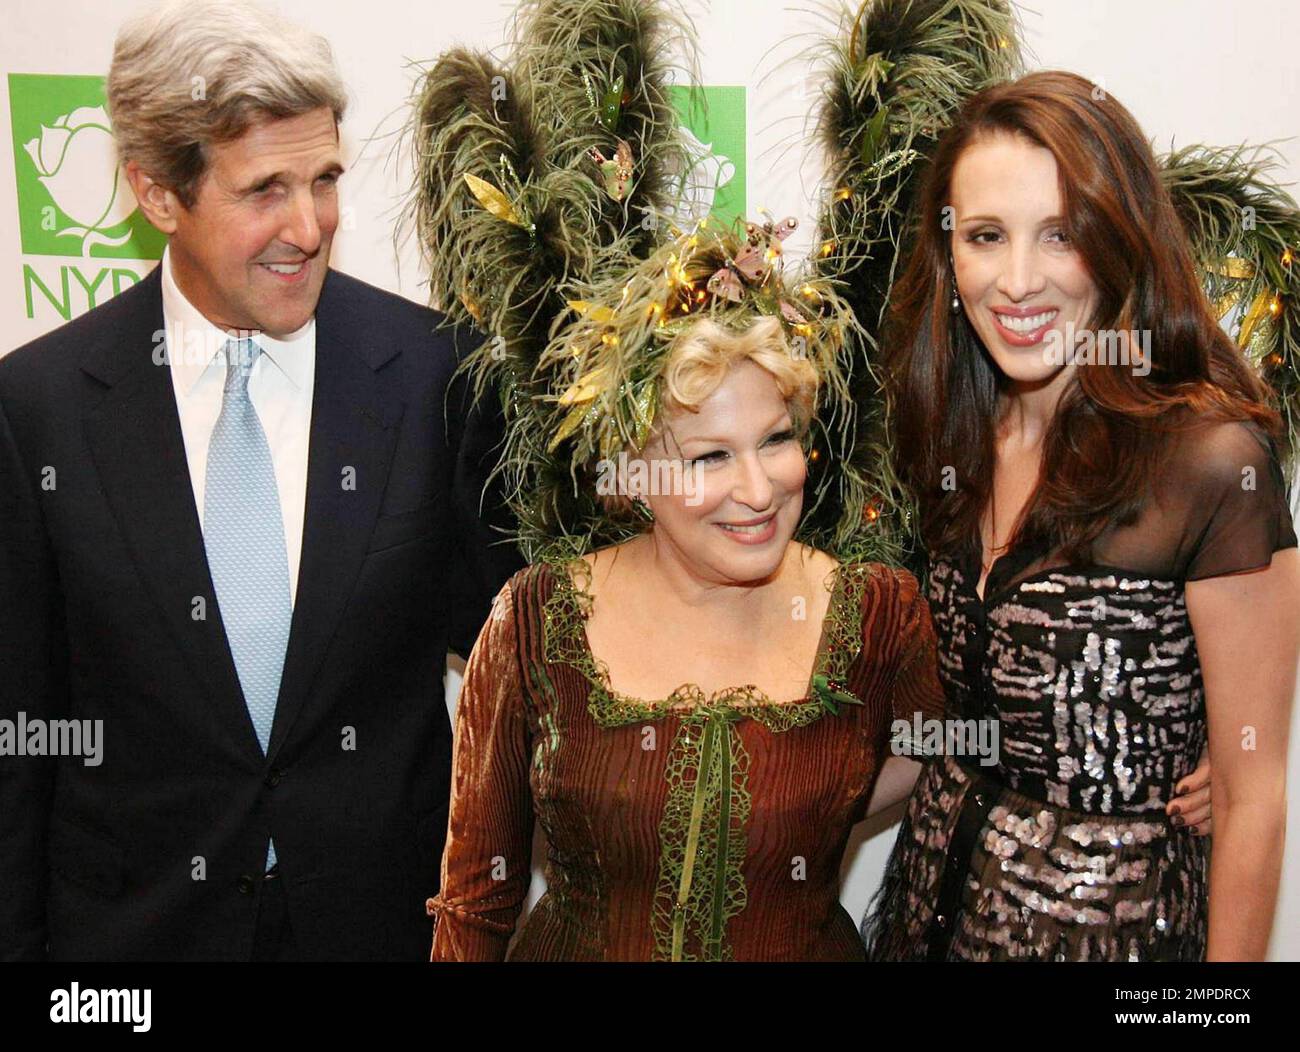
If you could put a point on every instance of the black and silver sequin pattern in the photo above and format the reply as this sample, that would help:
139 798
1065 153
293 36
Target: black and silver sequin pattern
1094 678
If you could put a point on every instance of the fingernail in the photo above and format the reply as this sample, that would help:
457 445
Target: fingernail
1175 810
1180 820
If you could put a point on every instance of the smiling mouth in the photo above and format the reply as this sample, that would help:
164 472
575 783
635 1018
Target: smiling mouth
753 529
286 269
1025 325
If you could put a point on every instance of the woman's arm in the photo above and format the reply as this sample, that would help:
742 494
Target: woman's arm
1247 629
486 864
915 687
894 783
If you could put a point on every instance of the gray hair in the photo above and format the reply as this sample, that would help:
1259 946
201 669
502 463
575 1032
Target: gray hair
192 73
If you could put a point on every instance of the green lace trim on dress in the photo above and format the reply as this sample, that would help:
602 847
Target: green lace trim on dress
703 830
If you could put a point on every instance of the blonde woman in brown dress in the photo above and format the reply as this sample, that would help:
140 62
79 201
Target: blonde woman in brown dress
695 716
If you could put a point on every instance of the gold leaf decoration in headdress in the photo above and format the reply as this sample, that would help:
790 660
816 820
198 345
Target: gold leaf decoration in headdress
494 200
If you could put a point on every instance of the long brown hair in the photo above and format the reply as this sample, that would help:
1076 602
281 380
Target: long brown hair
1103 447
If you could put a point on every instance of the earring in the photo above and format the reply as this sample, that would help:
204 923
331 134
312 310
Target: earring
955 306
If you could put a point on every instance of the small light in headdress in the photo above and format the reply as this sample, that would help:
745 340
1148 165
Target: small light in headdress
871 513
699 296
1287 257
828 247
1274 359
1275 306
843 193
814 454
609 340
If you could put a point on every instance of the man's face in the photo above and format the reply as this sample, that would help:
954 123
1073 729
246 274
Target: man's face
251 252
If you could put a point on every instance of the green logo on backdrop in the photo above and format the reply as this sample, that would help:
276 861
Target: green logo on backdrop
714 120
73 199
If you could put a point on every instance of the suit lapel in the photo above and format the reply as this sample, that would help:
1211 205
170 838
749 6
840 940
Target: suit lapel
134 436
354 428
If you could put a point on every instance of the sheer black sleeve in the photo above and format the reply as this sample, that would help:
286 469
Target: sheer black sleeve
1235 495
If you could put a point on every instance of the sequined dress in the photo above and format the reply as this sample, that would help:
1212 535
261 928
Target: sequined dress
710 832
1062 850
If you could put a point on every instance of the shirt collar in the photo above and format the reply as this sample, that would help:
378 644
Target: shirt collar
194 344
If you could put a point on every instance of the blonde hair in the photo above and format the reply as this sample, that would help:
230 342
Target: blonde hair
702 356
191 73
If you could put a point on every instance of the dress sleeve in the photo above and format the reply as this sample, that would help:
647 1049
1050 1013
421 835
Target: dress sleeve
916 681
1238 516
486 863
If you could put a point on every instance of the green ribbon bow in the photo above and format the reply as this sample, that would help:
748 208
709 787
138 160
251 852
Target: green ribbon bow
830 695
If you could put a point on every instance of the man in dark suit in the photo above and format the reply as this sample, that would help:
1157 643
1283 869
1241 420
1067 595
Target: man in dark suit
239 523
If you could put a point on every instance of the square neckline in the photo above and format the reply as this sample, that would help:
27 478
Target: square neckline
597 672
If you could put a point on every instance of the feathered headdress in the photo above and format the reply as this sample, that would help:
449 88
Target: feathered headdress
607 361
540 203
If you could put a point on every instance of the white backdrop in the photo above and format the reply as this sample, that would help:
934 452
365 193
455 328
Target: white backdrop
1190 70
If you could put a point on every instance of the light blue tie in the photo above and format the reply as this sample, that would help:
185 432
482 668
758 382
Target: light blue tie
243 533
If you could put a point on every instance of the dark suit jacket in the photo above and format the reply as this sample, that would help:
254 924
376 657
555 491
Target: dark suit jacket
154 853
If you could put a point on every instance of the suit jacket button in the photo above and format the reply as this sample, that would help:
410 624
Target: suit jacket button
273 779
245 885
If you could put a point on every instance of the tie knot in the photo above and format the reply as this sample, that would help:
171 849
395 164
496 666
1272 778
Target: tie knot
240 356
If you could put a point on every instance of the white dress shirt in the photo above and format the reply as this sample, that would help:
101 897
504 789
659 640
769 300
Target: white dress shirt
280 388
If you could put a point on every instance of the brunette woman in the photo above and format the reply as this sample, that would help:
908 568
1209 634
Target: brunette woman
1113 568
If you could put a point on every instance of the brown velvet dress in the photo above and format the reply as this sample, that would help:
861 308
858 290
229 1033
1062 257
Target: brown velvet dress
690 828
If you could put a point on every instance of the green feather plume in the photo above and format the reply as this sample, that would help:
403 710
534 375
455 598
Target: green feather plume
897 73
534 215
1245 233
521 132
